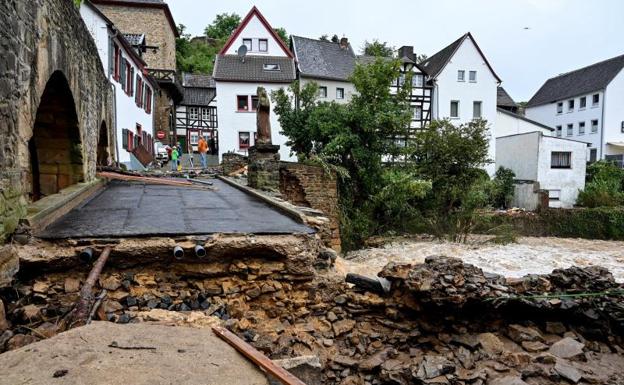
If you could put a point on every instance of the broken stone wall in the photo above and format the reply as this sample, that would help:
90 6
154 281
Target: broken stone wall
40 38
233 162
315 187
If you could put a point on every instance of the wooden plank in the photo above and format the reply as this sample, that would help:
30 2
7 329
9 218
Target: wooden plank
284 376
145 179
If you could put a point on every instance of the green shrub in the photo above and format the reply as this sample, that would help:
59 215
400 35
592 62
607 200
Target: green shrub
605 186
502 188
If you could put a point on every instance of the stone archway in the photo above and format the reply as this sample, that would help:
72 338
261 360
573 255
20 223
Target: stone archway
102 146
56 160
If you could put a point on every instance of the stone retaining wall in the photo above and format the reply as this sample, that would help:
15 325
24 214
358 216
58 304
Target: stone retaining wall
315 187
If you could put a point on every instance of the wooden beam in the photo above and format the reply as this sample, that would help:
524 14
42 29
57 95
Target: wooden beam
281 374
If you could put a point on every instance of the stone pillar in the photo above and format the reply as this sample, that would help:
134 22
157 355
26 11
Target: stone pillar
263 170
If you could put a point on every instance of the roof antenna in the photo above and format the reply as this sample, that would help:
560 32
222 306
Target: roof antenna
242 51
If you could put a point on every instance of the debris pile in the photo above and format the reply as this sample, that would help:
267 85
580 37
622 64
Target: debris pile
442 322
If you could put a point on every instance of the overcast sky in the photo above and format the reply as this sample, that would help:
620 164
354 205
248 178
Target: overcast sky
563 35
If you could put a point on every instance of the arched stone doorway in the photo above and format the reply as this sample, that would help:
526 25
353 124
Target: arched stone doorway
102 146
55 147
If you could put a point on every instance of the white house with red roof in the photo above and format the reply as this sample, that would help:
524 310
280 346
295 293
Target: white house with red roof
269 63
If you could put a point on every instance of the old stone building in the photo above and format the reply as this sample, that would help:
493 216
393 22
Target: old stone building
55 105
153 20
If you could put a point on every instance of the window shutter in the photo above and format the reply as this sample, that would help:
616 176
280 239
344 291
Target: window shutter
124 139
122 75
131 78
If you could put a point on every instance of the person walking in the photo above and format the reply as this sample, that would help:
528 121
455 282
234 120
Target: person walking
202 147
179 149
174 159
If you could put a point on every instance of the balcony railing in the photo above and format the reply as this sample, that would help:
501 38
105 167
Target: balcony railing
162 75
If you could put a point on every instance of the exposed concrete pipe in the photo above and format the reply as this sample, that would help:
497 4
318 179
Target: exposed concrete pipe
178 252
200 252
86 255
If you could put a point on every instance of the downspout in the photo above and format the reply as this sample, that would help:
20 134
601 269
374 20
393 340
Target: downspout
602 125
114 121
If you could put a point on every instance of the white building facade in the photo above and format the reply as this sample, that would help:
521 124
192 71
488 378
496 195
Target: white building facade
267 63
134 91
586 105
509 123
557 165
465 87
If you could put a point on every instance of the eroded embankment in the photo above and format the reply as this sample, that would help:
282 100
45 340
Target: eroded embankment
441 322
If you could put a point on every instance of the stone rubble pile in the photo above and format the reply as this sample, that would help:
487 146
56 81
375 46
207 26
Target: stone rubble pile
442 322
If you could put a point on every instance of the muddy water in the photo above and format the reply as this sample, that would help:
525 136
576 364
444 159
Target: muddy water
530 255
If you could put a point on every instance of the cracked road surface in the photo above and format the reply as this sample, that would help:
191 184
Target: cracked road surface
125 209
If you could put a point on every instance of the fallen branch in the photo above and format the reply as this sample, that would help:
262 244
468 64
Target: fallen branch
97 304
78 316
256 357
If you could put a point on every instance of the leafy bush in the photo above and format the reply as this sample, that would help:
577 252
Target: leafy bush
502 188
605 186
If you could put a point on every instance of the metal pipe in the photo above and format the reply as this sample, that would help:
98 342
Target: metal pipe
200 252
178 252
86 255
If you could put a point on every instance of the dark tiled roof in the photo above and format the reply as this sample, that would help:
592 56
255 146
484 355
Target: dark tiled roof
434 64
134 38
232 68
197 80
503 99
323 59
522 117
198 96
582 81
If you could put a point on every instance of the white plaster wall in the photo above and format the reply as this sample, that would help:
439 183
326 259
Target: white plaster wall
231 121
510 125
519 153
484 89
99 32
331 89
614 114
569 181
547 114
255 30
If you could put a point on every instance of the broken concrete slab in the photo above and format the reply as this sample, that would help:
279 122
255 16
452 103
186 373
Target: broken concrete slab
106 353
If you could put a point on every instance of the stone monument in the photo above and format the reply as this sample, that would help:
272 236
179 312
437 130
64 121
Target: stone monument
263 170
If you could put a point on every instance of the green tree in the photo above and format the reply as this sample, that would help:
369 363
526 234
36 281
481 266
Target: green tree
223 26
194 56
353 138
604 187
377 48
502 191
452 158
283 35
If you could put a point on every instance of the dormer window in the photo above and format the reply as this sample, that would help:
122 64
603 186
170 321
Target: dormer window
263 45
271 67
247 42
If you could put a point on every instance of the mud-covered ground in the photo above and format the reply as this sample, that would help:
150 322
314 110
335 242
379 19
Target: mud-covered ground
530 255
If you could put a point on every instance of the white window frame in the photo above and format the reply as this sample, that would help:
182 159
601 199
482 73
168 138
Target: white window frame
595 104
461 75
266 45
416 113
583 103
451 109
561 162
418 80
323 92
480 104
581 125
472 79
194 113
594 127
194 137
570 129
271 67
248 140
340 93
250 46
559 131
559 108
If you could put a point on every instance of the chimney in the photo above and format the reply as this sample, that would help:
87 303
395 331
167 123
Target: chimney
344 43
407 51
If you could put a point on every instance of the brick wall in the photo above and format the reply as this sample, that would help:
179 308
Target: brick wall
149 21
314 187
